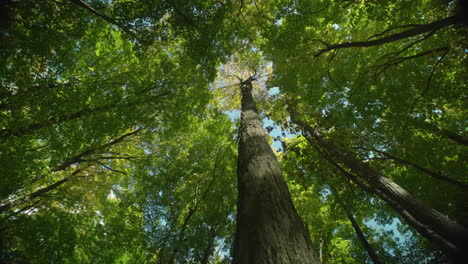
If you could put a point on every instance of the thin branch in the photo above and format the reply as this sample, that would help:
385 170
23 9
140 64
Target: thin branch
111 169
79 157
407 46
64 165
398 60
109 158
36 194
422 169
428 86
5 133
360 234
455 137
393 28
195 206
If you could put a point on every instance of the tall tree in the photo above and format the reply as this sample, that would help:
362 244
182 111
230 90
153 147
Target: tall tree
268 228
449 235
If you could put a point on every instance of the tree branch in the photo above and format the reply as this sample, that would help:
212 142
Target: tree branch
111 20
422 169
398 60
428 86
5 133
417 30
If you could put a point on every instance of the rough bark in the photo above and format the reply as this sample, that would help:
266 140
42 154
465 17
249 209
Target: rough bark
439 229
424 230
268 229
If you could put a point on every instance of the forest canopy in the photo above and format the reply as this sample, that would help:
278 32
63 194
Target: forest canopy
233 131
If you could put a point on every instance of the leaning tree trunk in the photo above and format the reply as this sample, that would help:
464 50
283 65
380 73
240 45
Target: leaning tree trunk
362 238
268 230
438 228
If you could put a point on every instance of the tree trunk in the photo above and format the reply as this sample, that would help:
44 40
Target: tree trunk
438 228
209 247
370 251
362 238
268 230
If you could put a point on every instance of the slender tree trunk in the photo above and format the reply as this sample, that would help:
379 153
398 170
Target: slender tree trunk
433 225
209 247
321 249
362 238
268 230
365 243
191 212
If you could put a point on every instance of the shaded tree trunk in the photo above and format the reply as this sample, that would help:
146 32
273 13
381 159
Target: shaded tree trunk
209 247
362 238
438 228
365 243
268 230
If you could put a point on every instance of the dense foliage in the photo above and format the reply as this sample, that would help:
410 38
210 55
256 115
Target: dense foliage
118 124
